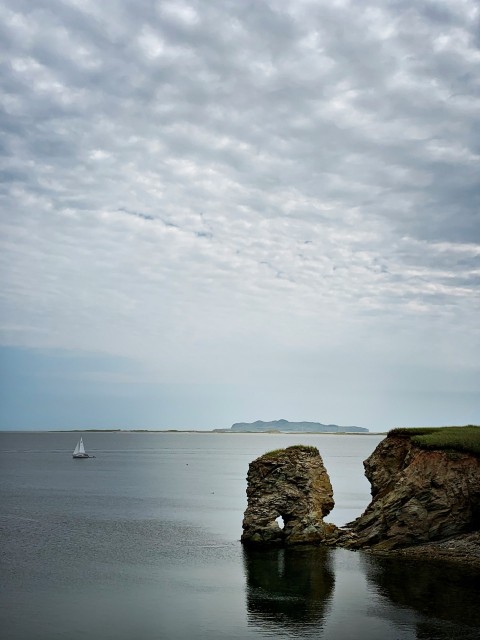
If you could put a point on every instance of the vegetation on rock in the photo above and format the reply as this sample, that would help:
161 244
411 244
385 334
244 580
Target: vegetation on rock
295 447
465 439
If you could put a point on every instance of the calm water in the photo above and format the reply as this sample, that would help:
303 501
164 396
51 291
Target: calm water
142 543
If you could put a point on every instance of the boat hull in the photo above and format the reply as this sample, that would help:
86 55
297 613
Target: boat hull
80 456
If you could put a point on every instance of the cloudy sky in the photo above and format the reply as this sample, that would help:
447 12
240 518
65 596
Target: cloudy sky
230 210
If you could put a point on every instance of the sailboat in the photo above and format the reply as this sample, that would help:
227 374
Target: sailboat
79 451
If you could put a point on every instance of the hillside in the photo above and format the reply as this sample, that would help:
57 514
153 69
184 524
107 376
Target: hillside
294 427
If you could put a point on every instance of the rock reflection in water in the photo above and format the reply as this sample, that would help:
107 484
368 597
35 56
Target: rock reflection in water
288 589
445 596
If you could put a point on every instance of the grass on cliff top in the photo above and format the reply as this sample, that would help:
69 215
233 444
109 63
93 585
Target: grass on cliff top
466 439
294 447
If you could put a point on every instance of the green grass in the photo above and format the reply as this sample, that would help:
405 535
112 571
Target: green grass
303 447
466 439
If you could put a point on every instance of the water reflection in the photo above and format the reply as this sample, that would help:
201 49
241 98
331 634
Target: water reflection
288 589
445 596
337 594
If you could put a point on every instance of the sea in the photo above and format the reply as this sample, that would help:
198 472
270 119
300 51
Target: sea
142 542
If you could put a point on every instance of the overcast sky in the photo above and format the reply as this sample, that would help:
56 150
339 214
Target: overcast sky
230 210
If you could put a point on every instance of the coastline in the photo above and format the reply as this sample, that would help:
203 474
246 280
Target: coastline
199 431
463 549
212 431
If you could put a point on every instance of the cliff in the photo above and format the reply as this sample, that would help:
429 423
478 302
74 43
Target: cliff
418 495
291 484
425 497
294 427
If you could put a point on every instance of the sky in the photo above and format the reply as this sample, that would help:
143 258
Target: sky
224 211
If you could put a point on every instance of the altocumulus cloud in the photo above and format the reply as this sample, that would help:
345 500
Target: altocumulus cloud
281 194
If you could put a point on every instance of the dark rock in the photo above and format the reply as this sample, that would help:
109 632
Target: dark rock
291 483
425 503
417 496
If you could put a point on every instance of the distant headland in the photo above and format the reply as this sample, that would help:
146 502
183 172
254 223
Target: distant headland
284 426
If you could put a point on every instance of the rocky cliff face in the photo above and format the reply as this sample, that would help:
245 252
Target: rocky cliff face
417 496
291 483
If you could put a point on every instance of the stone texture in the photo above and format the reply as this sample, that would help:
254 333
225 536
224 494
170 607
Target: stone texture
463 548
291 483
417 496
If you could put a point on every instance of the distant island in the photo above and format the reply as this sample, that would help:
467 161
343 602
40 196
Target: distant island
291 427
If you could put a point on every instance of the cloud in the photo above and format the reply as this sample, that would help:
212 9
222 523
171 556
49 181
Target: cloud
230 190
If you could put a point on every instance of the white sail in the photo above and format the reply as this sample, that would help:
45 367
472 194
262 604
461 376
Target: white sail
79 448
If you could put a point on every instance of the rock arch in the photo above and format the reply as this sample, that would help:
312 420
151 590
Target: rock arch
293 484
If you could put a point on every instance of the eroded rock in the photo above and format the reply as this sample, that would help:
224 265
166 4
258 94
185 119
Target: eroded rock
292 484
417 496
428 500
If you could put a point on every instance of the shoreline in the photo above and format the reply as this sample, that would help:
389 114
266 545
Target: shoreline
213 432
460 550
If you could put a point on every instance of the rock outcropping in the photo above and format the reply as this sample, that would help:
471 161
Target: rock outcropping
291 483
418 496
425 500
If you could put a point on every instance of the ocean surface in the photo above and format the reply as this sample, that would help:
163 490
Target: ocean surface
142 543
